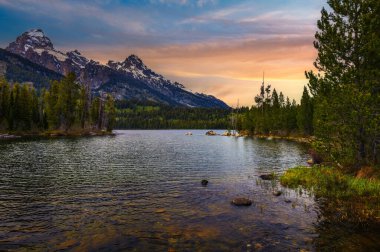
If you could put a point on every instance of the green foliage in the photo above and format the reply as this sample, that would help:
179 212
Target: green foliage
148 115
330 182
66 105
347 88
305 114
271 115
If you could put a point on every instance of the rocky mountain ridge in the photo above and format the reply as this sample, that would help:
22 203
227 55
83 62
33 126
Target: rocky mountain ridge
130 79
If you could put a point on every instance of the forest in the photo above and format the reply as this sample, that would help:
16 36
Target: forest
341 105
65 106
274 114
150 115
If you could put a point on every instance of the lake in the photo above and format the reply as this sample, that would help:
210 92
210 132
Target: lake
141 191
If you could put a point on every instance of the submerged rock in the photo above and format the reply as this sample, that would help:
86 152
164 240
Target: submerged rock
204 182
277 193
267 176
258 246
288 201
241 202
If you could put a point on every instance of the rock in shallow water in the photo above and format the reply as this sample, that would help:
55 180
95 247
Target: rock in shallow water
211 133
267 177
204 182
277 193
241 202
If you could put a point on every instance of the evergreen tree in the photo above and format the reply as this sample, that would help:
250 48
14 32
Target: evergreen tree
4 104
305 114
52 111
110 112
95 115
67 101
346 89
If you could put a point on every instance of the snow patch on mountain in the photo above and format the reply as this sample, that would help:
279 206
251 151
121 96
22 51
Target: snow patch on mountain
130 79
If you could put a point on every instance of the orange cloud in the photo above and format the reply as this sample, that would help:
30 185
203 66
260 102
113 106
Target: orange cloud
230 69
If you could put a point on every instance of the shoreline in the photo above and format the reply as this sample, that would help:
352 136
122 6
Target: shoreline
294 138
53 134
334 185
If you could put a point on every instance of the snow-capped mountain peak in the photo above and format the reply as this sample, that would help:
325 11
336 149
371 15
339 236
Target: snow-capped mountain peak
38 48
77 58
136 68
129 79
32 39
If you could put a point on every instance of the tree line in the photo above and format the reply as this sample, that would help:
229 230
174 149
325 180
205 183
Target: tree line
275 114
343 110
149 115
65 106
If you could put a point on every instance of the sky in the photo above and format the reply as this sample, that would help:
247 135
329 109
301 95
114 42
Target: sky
218 47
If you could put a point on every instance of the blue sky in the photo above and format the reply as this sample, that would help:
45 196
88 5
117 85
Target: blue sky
214 46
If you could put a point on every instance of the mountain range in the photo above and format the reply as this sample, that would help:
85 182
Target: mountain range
33 58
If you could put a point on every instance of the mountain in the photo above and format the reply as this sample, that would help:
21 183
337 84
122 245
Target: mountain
130 79
18 69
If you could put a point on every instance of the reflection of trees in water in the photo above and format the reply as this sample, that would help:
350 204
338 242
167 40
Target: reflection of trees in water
348 225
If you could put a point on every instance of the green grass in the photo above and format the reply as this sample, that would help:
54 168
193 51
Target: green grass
330 182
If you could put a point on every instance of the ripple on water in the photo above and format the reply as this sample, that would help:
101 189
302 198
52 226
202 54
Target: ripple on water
141 190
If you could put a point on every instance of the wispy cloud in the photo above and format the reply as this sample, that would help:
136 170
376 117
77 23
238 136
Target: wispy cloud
216 46
122 19
198 3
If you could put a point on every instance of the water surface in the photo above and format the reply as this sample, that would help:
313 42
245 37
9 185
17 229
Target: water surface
141 190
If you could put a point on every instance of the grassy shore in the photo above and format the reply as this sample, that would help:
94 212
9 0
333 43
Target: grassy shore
331 182
346 198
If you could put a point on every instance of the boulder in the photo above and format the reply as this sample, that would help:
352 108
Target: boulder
241 202
277 193
204 182
211 133
317 159
267 176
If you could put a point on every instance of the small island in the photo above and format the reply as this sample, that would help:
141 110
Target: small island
65 109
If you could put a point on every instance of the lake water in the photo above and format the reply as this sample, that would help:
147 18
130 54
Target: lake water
141 191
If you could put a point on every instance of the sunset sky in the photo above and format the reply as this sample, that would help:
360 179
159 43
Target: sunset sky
218 47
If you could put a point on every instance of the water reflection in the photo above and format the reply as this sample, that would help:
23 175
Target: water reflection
140 190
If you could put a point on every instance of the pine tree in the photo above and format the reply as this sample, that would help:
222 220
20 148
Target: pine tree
110 113
67 101
346 89
52 111
305 114
4 104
